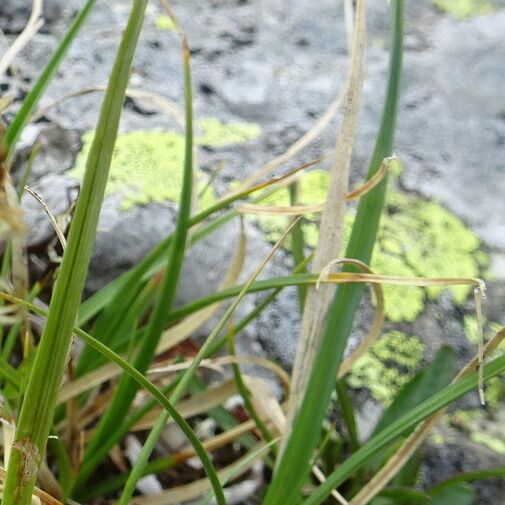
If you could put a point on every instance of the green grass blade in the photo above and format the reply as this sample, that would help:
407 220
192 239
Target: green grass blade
38 406
405 496
169 286
294 465
119 295
185 380
494 473
242 464
298 244
127 388
246 396
30 102
460 494
402 426
347 411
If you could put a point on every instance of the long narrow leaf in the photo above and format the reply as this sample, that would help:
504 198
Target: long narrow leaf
38 406
171 277
294 465
127 388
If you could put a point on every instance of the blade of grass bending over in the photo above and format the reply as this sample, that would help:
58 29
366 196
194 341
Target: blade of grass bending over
112 321
30 102
332 222
293 467
338 278
186 378
142 381
467 380
127 388
38 406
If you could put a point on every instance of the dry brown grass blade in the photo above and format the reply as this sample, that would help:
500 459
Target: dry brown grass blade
319 475
377 323
19 264
332 220
218 441
297 210
265 403
170 13
50 215
265 363
34 24
396 280
413 442
193 406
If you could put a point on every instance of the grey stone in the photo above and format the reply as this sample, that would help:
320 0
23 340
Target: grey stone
452 127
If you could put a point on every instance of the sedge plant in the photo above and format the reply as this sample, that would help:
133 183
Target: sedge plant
130 326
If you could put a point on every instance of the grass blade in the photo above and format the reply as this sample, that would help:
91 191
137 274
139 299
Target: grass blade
330 240
294 465
431 379
298 244
38 406
127 388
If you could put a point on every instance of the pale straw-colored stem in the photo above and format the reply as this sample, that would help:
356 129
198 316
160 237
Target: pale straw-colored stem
332 221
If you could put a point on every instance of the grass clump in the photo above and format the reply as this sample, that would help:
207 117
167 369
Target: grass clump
75 414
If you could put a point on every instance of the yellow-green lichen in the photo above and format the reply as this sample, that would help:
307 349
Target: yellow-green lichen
217 134
465 8
495 392
416 238
147 166
388 366
481 428
164 23
494 443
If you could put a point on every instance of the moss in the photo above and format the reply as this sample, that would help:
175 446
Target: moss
164 23
465 8
147 165
388 366
416 238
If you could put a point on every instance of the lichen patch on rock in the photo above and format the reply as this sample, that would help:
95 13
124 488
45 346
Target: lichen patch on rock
388 366
147 166
417 238
465 8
